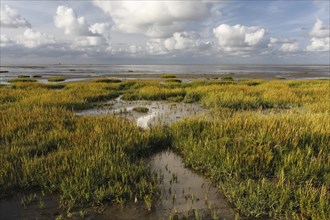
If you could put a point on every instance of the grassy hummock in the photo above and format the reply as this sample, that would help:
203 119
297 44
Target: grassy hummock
17 80
173 81
167 76
56 79
141 109
107 80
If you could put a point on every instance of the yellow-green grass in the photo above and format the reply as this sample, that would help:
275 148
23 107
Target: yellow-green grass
265 143
153 93
107 80
56 79
173 81
274 164
141 109
84 160
167 76
18 80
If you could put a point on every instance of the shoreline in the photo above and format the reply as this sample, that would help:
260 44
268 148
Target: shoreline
186 77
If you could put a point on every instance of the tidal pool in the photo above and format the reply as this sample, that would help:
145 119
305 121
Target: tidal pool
160 112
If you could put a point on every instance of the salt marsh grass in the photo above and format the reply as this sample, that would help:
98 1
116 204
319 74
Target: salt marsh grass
56 79
265 144
167 76
85 160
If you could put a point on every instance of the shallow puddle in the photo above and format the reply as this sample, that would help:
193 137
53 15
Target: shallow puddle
184 191
160 112
183 194
38 207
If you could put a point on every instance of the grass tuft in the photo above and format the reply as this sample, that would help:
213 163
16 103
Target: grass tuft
141 109
167 76
56 79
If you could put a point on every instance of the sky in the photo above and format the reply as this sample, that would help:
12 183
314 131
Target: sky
164 32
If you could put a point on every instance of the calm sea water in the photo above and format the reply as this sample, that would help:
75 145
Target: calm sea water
95 70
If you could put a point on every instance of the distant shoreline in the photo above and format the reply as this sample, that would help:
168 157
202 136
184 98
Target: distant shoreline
74 73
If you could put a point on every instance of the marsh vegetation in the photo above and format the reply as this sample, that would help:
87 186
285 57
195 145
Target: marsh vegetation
263 144
56 79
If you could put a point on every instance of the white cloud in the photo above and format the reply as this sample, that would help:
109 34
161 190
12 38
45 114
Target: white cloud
31 39
6 41
82 42
133 49
153 18
319 44
289 47
319 30
67 19
186 41
284 45
238 36
100 28
320 40
10 18
156 47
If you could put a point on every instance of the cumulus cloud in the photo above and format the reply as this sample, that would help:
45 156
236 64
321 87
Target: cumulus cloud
186 41
134 49
320 30
10 18
67 19
156 47
82 42
156 19
289 47
100 28
319 44
88 37
320 40
6 41
284 45
180 43
238 37
32 39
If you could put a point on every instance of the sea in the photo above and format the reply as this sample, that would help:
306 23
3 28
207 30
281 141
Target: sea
94 70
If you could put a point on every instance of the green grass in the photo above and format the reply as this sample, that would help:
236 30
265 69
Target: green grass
107 80
173 81
227 77
84 160
56 79
265 144
141 109
20 80
272 165
153 93
23 76
167 76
